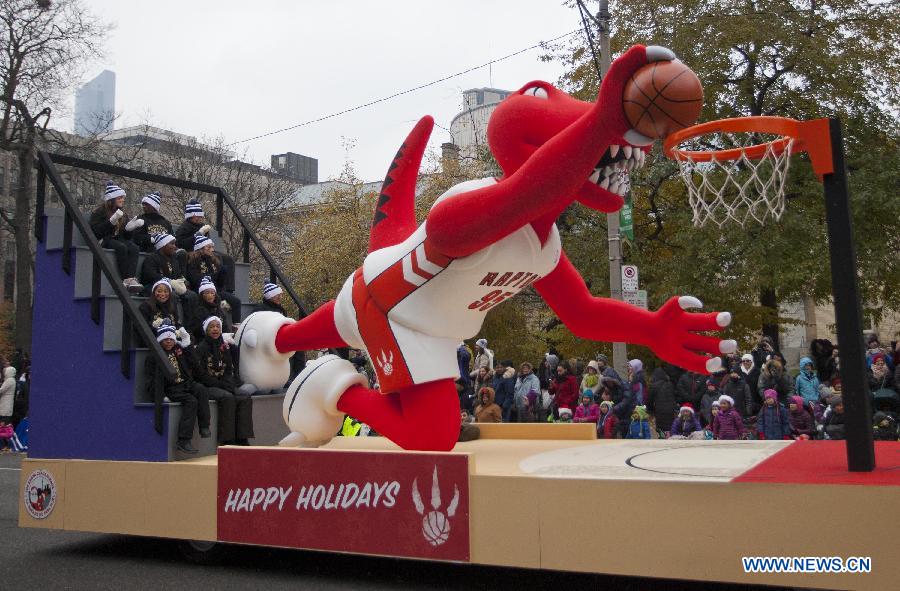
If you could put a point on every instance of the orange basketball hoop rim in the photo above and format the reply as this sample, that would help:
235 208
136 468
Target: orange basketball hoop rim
811 137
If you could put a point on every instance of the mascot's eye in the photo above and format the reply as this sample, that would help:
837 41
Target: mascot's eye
537 91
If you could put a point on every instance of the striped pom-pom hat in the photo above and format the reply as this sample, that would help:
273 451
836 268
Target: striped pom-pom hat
270 290
112 191
163 281
165 331
200 241
152 199
209 321
160 240
206 283
193 208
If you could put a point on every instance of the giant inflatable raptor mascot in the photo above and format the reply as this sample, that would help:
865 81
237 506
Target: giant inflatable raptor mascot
421 290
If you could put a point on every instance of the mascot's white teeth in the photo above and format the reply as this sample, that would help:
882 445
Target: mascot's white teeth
611 172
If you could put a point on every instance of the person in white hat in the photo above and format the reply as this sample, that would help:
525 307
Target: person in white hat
112 229
216 371
154 222
484 357
202 262
182 388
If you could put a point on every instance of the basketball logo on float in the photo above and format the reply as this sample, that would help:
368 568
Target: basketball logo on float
39 494
435 524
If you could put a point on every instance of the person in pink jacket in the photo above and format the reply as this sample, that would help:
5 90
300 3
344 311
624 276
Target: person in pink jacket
588 411
6 435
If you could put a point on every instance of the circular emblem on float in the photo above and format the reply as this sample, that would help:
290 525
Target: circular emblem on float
39 494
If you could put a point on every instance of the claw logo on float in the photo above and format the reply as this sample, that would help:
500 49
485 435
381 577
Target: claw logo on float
386 363
39 494
435 524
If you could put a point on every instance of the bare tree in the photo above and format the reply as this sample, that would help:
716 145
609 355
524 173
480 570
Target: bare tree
43 48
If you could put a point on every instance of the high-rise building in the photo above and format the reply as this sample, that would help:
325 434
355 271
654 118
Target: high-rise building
302 169
95 105
469 128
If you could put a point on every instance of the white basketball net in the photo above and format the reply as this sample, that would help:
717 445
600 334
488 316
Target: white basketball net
737 190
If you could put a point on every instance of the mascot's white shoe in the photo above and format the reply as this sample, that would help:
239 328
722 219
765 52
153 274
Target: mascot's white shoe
261 363
310 404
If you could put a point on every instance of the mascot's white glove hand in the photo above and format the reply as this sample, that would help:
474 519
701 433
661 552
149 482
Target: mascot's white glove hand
179 286
114 218
184 339
228 337
205 229
134 224
261 363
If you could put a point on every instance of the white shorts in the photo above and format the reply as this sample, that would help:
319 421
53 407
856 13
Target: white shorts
402 357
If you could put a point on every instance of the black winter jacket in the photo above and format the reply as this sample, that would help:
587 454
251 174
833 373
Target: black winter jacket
215 364
661 399
102 228
159 384
691 388
200 312
156 266
205 266
184 235
153 224
270 306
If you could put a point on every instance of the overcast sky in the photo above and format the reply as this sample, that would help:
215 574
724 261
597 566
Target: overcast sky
238 69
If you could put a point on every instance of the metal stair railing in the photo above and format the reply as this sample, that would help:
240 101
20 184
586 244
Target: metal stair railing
101 266
222 200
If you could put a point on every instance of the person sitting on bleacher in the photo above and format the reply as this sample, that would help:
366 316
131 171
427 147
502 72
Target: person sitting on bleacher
112 228
183 389
208 304
271 299
204 262
160 308
195 223
164 263
154 223
215 370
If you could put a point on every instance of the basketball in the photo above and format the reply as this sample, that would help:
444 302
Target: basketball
662 98
435 528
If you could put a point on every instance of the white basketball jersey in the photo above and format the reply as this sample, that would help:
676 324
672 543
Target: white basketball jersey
451 300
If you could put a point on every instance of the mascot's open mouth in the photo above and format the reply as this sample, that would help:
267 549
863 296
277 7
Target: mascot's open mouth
611 172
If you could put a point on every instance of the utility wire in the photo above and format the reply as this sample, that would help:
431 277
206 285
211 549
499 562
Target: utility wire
407 91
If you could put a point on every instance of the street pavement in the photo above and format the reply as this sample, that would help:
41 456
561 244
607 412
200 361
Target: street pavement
50 559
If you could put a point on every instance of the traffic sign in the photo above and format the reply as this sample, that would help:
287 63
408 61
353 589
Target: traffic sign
629 278
626 222
637 297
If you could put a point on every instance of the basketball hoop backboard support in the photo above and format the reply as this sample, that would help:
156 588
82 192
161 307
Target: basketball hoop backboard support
822 140
848 314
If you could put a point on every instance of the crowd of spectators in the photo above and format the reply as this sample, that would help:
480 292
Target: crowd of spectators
755 396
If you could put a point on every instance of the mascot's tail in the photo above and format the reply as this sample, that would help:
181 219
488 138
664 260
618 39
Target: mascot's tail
395 214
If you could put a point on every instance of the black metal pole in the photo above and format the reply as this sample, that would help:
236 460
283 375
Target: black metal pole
848 314
39 203
220 212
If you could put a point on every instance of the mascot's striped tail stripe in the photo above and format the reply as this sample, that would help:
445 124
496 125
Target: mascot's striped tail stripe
395 216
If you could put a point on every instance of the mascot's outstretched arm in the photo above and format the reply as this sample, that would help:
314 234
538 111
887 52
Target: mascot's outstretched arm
670 331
